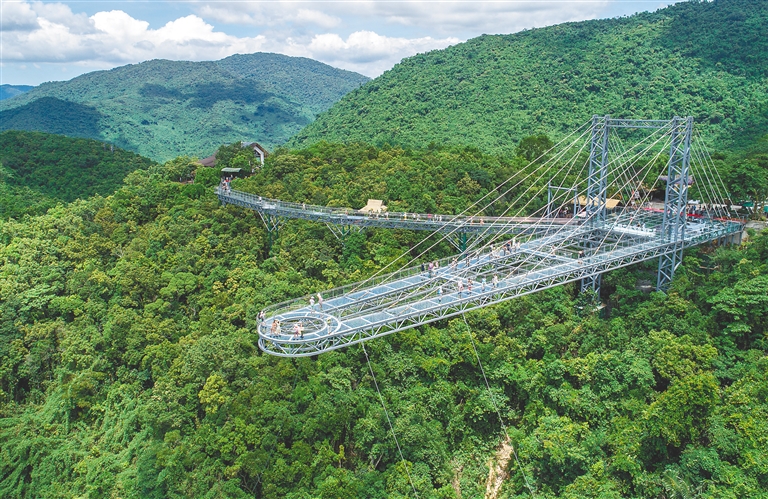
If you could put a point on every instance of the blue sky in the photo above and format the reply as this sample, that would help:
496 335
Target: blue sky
47 41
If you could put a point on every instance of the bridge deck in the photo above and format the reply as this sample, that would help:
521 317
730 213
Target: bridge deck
391 220
411 297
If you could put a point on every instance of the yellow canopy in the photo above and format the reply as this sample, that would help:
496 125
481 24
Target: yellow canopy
610 203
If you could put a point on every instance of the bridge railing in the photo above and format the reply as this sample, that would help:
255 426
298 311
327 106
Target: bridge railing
354 291
275 205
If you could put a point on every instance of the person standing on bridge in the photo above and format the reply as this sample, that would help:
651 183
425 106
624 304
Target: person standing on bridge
312 303
320 301
439 294
296 331
301 330
262 316
469 286
484 283
460 285
495 281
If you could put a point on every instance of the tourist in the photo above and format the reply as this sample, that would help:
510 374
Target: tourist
495 281
301 330
484 282
312 303
460 285
296 331
273 329
439 294
469 286
320 301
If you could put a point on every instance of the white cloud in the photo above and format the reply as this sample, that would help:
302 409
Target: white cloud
445 18
52 33
18 17
367 52
268 14
114 37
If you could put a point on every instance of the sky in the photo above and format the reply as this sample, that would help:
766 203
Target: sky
49 41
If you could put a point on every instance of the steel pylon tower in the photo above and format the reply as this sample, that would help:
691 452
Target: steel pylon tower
597 187
675 200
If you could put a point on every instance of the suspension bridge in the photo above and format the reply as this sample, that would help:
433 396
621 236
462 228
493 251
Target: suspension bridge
521 252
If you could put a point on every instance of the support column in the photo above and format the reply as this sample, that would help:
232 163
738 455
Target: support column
459 240
675 201
342 231
597 187
273 224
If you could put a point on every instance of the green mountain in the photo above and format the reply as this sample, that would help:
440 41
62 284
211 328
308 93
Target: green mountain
705 59
8 91
40 170
163 109
129 366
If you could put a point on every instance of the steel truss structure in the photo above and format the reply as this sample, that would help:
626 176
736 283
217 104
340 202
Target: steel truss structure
342 221
413 298
531 253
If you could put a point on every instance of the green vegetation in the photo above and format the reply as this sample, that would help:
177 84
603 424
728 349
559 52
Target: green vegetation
39 170
703 59
161 109
128 365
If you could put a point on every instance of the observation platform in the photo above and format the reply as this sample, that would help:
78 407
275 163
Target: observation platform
411 297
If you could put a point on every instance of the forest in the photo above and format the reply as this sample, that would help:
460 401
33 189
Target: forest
40 170
693 58
129 366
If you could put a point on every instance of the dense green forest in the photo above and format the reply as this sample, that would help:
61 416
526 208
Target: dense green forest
128 365
162 109
700 59
39 170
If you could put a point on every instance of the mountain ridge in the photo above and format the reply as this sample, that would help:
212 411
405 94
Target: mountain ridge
162 109
501 88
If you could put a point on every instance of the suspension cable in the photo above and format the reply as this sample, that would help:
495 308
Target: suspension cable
389 421
496 408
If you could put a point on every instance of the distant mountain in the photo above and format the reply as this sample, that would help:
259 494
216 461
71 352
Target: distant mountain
705 59
162 109
8 91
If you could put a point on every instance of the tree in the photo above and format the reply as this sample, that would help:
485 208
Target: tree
748 181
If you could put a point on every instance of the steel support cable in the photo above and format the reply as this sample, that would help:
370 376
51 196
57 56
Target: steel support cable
569 163
715 188
389 421
633 215
458 227
726 199
466 270
474 204
624 209
562 228
708 157
537 264
496 407
704 178
455 217
531 197
638 154
706 181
